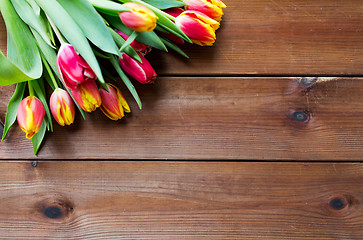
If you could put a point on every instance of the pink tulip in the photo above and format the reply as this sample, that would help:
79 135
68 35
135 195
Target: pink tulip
139 47
30 115
198 27
211 8
113 103
142 72
62 107
87 96
72 68
139 19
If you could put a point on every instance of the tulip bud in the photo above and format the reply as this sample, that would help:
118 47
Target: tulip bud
72 68
175 11
139 19
62 107
30 115
113 103
87 96
198 27
142 72
211 8
139 47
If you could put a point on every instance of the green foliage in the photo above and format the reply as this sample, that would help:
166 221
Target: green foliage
13 107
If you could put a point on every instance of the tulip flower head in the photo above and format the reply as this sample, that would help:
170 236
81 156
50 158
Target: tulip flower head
211 8
87 96
142 72
72 68
139 47
113 103
30 115
62 107
139 19
198 27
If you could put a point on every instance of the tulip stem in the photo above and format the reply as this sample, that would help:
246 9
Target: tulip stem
56 31
51 75
31 89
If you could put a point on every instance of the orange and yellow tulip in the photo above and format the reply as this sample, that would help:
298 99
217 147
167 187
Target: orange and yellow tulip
139 19
211 8
198 27
62 107
87 96
30 115
113 103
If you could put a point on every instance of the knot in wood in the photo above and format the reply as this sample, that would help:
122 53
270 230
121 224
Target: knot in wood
299 117
306 82
339 202
55 207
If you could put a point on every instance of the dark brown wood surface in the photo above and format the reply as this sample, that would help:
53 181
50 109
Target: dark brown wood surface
218 118
279 37
280 92
181 200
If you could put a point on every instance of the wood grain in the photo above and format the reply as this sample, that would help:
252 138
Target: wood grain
275 37
176 200
217 119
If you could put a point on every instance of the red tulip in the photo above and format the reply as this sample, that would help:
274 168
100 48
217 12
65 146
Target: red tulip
142 72
72 68
139 47
211 8
139 19
198 27
175 11
30 115
113 103
87 96
62 107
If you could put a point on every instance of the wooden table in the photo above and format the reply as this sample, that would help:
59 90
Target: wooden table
257 137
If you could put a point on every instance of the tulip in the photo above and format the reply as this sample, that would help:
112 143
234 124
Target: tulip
72 68
139 19
198 27
142 72
62 107
211 8
175 11
113 103
87 96
30 115
139 47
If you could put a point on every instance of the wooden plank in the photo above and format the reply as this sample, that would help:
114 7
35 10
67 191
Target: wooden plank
217 119
179 200
275 37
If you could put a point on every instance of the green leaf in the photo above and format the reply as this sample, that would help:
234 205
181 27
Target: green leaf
23 61
163 20
72 33
37 139
12 109
91 24
164 4
108 7
28 15
48 52
9 73
120 41
41 95
126 80
173 46
129 40
35 6
148 38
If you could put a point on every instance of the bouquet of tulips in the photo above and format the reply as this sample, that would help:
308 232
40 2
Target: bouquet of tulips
57 46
